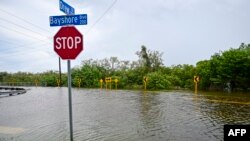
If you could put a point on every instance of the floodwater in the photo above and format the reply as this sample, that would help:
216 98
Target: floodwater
42 115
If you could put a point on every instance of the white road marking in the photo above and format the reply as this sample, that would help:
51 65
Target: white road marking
10 130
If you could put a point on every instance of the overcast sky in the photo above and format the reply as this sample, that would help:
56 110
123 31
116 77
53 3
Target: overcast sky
186 31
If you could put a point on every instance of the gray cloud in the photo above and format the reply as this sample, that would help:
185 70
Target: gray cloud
185 30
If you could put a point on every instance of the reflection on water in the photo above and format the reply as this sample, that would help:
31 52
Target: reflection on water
229 108
42 114
150 116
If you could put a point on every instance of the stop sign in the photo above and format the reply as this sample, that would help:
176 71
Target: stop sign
68 42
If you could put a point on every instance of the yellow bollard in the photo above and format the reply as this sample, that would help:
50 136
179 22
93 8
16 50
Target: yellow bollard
106 82
79 82
36 82
101 81
145 79
116 80
110 83
58 82
106 85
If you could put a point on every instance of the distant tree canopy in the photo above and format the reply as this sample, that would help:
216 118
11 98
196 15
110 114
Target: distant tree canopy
228 67
150 60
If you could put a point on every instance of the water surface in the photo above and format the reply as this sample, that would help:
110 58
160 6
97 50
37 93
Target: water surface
42 114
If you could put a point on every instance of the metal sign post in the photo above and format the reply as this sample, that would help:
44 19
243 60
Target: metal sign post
70 102
60 72
68 43
195 87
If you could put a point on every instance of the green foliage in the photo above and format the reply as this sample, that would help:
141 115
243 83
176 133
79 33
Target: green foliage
228 67
231 66
149 60
48 78
203 70
89 74
158 80
3 75
184 74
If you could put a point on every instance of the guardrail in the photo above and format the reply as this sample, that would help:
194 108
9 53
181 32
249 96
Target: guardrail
13 84
11 91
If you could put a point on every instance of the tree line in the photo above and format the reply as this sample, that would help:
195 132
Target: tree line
226 69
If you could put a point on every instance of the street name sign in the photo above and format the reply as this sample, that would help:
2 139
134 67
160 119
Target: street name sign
66 8
64 20
68 42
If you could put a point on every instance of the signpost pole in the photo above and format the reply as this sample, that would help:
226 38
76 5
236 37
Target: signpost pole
145 83
196 80
196 87
106 81
110 82
116 84
70 103
60 74
101 83
68 43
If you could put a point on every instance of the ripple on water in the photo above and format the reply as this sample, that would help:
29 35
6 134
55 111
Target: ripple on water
121 115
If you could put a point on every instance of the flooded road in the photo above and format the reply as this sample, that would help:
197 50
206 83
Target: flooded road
42 114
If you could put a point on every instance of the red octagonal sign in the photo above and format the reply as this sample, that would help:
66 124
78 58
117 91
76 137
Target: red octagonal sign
68 43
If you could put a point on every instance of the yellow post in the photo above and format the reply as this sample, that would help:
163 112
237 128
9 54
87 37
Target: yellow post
36 82
196 80
196 87
58 82
101 83
79 82
106 82
145 79
110 83
116 80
